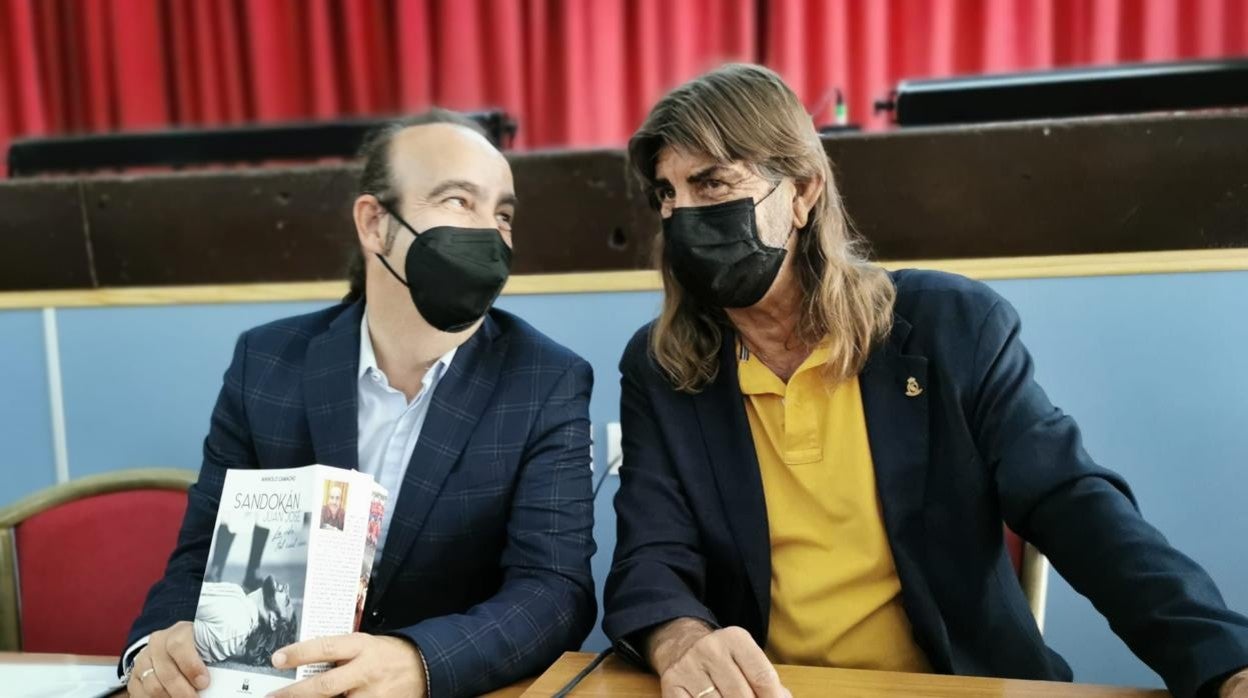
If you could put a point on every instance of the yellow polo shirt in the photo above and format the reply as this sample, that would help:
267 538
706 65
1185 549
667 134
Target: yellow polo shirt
835 595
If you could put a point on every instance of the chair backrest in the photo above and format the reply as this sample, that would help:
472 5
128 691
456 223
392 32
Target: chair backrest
77 559
1032 568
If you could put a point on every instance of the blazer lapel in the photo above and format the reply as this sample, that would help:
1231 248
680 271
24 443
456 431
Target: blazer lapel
726 433
895 400
331 391
460 399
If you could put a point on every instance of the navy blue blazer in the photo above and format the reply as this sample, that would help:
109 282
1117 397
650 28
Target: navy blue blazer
486 566
982 444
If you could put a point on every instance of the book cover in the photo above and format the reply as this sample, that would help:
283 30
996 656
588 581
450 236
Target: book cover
290 560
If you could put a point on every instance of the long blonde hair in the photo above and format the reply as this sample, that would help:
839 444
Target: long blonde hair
746 113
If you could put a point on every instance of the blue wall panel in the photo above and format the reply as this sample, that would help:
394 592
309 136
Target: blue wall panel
26 460
140 382
1152 367
1155 371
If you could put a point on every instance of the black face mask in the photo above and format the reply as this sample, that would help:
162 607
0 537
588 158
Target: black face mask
453 274
716 254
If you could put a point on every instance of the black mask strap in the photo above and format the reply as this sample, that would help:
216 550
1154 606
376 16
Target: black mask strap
393 273
773 191
386 207
791 230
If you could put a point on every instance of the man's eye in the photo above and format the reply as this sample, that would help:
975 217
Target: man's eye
505 219
713 185
666 194
457 201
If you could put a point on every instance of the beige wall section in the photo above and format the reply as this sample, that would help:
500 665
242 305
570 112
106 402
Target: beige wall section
1114 264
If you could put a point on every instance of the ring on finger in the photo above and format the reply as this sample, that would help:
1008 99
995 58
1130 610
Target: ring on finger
706 692
146 673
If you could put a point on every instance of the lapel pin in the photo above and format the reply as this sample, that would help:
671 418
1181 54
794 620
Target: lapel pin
912 387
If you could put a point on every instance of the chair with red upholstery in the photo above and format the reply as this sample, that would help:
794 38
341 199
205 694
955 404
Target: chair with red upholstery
1032 568
77 559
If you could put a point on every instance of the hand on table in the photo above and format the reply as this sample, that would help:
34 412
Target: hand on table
1236 686
368 666
694 661
169 666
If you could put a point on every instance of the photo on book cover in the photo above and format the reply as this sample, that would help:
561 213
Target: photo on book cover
334 504
376 511
252 597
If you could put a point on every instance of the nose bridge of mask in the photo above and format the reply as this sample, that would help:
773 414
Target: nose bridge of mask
415 234
726 206
704 232
462 239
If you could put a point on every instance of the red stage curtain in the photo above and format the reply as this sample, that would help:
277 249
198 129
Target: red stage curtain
574 72
865 47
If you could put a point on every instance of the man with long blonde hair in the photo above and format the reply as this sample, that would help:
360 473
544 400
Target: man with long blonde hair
819 456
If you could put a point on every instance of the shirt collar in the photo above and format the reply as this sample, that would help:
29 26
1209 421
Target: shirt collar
754 378
368 357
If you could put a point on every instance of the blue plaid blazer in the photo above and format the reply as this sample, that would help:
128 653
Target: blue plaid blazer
486 567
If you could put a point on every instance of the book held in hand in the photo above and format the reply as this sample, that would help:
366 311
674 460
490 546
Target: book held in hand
291 557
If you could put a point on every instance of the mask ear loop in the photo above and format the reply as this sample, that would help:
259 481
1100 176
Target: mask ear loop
393 273
773 191
386 207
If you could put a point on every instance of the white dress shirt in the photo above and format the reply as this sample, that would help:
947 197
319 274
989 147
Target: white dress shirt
388 428
388 424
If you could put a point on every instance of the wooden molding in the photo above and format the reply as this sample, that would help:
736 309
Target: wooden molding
79 488
990 268
1106 264
10 609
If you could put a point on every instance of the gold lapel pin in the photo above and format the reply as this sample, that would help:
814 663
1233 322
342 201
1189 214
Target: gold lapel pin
912 387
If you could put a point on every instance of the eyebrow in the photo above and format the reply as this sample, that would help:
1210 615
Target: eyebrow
453 185
508 199
708 172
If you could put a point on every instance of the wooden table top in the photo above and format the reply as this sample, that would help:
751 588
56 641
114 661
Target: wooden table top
617 679
33 658
513 691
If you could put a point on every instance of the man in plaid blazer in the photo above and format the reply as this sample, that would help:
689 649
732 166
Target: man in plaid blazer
476 423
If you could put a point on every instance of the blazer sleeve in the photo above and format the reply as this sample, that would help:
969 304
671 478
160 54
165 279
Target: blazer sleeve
546 604
659 572
228 445
1085 519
